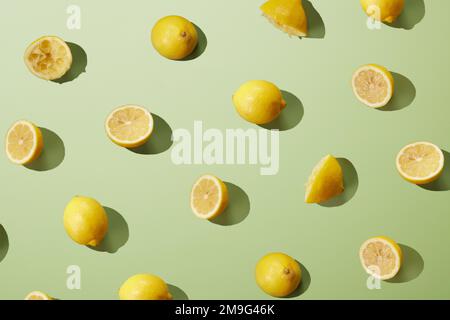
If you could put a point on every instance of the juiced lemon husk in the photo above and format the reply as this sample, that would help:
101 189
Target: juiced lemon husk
48 58
381 257
373 85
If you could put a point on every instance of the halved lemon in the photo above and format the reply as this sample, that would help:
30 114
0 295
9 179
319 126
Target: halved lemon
24 142
287 15
129 126
325 182
420 162
38 295
373 85
209 197
381 257
48 58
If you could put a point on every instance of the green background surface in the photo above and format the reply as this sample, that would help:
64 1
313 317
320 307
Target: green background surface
208 260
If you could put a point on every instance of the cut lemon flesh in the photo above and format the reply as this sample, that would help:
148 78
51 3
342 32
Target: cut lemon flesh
129 126
326 181
373 85
420 162
24 142
381 257
48 58
287 15
209 197
37 295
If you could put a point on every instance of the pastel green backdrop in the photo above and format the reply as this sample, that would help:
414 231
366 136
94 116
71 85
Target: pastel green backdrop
149 195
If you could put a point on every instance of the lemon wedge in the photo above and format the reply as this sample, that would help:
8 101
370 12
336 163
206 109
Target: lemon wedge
383 10
326 181
287 15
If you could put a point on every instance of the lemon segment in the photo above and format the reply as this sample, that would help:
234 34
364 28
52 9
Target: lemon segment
381 257
38 295
144 287
259 101
209 197
287 15
85 221
383 10
420 162
325 182
278 275
24 142
129 126
48 58
174 37
373 85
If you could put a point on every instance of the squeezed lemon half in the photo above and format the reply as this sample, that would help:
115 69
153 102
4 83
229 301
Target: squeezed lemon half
373 85
48 58
129 126
420 162
209 197
381 257
24 142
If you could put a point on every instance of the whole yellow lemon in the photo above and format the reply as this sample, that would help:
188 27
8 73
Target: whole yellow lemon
174 37
259 101
278 275
85 221
383 10
144 287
